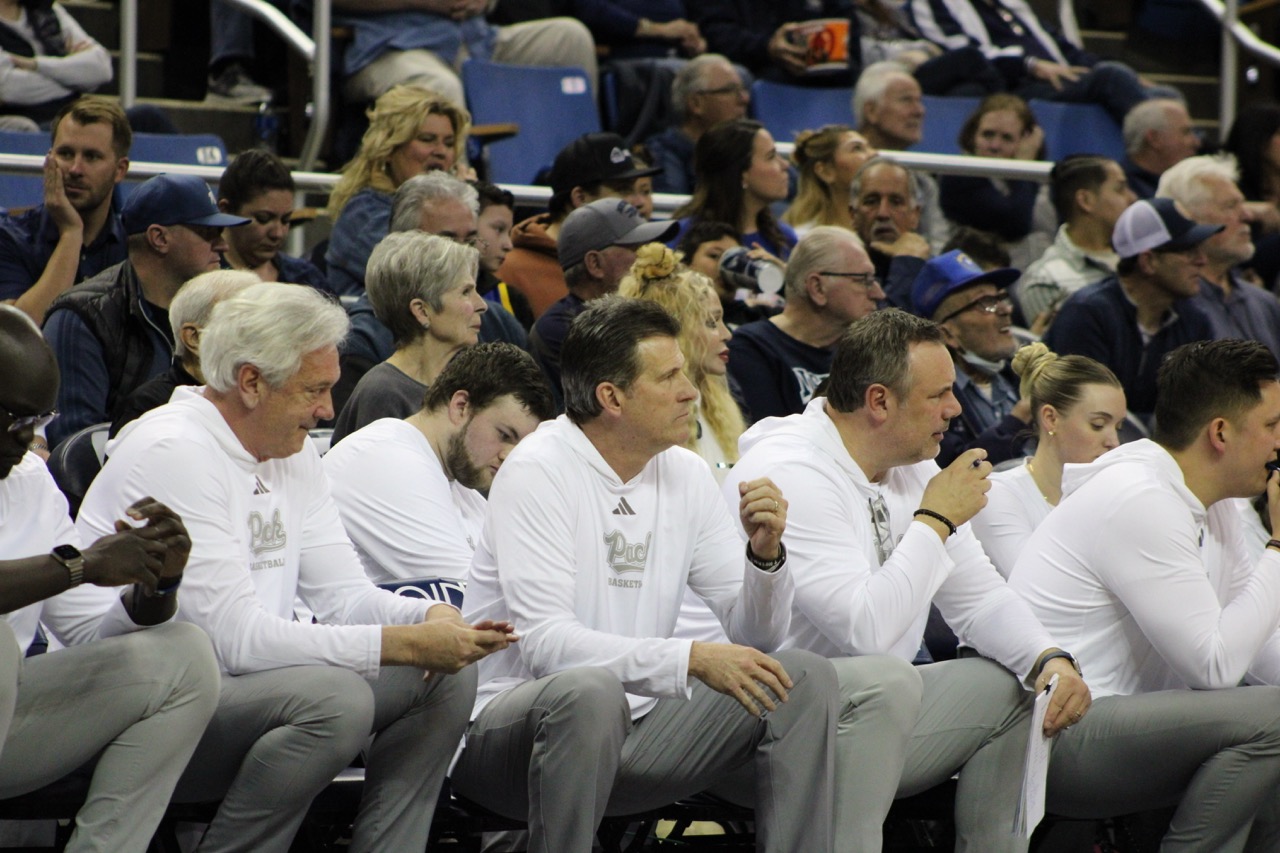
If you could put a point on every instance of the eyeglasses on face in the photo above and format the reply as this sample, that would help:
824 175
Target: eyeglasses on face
866 279
990 304
17 423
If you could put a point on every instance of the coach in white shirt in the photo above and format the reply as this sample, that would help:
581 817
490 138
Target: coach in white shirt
1145 570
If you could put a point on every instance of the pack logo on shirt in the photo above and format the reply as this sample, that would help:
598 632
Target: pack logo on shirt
266 535
808 382
627 556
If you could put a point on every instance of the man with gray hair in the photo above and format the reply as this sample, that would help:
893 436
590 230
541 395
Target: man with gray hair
884 203
780 361
705 92
1207 187
299 700
1157 134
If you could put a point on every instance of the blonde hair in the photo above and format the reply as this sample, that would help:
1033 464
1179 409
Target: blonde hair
1049 379
395 119
658 276
816 200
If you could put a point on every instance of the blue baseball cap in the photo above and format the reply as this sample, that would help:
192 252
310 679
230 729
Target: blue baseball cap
174 200
946 274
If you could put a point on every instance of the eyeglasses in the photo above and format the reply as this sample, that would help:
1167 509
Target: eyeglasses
880 527
732 89
866 279
991 304
17 423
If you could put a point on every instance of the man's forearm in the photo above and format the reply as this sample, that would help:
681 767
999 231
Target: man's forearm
30 580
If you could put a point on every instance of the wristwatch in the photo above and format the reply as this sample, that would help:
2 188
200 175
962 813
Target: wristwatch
70 557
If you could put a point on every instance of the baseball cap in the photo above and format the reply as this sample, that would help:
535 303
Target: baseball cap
174 200
595 158
944 275
607 222
1156 223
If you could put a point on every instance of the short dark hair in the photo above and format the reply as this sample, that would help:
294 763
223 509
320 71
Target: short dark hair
489 372
251 174
603 346
985 248
1072 174
492 195
873 351
705 231
1205 380
95 109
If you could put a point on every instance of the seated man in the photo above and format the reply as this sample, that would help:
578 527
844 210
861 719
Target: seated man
884 203
131 695
77 232
299 700
1144 570
780 361
705 92
973 309
1089 193
596 525
1207 187
111 333
596 248
875 534
411 492
1157 134
761 36
1131 320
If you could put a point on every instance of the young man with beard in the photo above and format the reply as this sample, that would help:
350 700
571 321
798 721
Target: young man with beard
409 491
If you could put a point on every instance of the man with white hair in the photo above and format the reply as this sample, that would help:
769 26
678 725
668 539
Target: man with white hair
299 700
706 91
1207 187
1157 134
781 360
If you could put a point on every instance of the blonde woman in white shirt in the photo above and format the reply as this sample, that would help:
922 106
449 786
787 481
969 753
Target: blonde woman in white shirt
1078 405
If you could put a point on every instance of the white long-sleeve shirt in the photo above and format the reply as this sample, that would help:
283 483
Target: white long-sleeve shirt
55 77
406 518
1148 588
1015 508
592 569
846 603
261 534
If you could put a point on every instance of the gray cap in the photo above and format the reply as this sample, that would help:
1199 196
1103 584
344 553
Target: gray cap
607 222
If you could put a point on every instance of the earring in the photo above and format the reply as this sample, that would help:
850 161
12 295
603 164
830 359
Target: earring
1051 433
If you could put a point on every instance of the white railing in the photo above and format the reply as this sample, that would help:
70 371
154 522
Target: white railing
1235 35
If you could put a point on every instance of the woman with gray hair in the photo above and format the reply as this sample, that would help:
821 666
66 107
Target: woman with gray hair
423 288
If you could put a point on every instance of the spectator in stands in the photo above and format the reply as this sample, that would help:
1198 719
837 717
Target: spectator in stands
1078 407
827 159
1206 187
1144 570
411 492
131 695
258 186
596 248
188 315
889 113
1035 59
1157 134
885 207
422 291
496 219
779 362
1089 193
878 535
638 29
412 130
111 333
1020 212
76 233
973 309
591 167
705 92
1131 320
299 700
702 247
587 490
230 50
399 41
739 174
1250 141
763 36
46 61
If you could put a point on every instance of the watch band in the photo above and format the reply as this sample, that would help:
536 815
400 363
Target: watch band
1059 653
73 561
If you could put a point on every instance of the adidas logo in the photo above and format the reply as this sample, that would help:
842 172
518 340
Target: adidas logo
259 487
624 508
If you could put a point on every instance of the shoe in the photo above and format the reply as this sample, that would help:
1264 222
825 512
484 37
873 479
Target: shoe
235 84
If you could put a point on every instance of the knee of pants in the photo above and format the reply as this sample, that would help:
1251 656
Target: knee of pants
892 683
337 701
577 43
189 650
590 698
808 671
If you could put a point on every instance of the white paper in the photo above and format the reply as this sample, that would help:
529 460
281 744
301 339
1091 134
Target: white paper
1035 768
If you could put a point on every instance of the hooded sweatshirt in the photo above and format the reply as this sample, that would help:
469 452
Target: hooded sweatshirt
533 265
1150 589
846 602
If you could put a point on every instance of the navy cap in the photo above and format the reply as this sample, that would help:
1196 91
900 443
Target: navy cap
949 273
1157 224
174 200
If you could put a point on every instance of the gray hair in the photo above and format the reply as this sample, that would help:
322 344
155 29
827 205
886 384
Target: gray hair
913 180
409 265
195 300
1184 182
420 190
271 326
692 77
872 84
1151 114
818 250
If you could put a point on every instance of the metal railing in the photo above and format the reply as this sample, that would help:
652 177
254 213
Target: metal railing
1235 35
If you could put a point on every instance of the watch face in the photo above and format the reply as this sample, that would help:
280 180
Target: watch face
67 552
